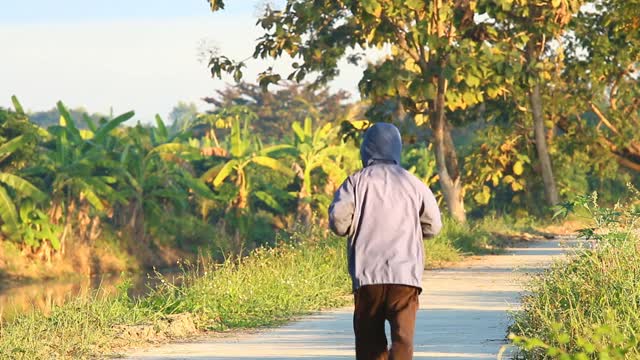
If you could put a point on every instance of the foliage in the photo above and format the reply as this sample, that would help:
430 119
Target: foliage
278 109
602 72
587 306
496 167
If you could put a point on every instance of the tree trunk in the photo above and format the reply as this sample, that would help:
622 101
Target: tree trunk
550 190
446 157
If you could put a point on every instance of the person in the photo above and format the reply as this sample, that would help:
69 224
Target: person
385 211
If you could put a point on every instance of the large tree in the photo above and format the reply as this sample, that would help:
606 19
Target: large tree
534 30
438 60
603 72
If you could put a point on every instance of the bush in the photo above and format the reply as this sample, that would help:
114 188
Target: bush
587 306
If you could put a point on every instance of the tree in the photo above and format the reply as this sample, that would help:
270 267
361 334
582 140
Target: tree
439 60
182 116
603 68
277 110
532 29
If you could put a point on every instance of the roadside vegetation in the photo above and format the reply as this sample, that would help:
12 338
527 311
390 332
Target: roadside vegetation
305 272
504 118
588 306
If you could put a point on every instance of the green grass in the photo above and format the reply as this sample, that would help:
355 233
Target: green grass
457 240
305 272
588 305
266 288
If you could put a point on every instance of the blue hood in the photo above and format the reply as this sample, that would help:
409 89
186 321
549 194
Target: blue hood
381 142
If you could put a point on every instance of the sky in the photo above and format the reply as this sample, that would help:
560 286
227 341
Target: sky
122 55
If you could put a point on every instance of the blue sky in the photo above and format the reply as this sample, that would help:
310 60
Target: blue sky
65 11
124 55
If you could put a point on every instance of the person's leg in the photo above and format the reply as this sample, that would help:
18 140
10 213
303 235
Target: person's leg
368 323
401 310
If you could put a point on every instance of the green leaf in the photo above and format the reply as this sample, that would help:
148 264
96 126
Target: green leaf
297 129
198 187
68 122
22 186
472 81
162 129
104 130
272 163
429 91
90 123
372 7
226 170
11 146
308 127
277 149
211 173
415 4
172 148
269 200
93 199
17 105
8 212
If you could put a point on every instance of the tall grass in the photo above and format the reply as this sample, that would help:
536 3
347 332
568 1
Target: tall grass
588 306
305 272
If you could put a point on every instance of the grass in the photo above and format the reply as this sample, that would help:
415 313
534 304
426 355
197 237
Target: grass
305 272
266 288
588 305
457 240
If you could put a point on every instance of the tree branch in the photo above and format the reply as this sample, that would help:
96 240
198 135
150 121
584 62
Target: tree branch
604 119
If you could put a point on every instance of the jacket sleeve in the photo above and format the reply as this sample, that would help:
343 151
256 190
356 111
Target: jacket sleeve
430 219
342 209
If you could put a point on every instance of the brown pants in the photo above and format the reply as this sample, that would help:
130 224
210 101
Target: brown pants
373 305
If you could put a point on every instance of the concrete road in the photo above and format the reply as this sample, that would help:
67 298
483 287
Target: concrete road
463 316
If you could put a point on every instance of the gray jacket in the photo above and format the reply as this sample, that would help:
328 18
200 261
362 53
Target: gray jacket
385 211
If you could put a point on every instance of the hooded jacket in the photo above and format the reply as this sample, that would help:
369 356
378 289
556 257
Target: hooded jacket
385 211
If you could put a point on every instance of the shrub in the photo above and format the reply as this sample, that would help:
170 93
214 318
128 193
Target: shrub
587 306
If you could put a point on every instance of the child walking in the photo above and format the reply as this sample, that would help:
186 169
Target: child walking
385 211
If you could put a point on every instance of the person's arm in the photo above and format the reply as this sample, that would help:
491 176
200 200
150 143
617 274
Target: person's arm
342 209
430 219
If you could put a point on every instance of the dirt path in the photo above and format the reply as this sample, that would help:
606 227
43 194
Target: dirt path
463 316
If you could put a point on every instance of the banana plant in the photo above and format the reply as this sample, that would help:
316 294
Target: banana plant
80 170
245 151
158 177
14 187
314 149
